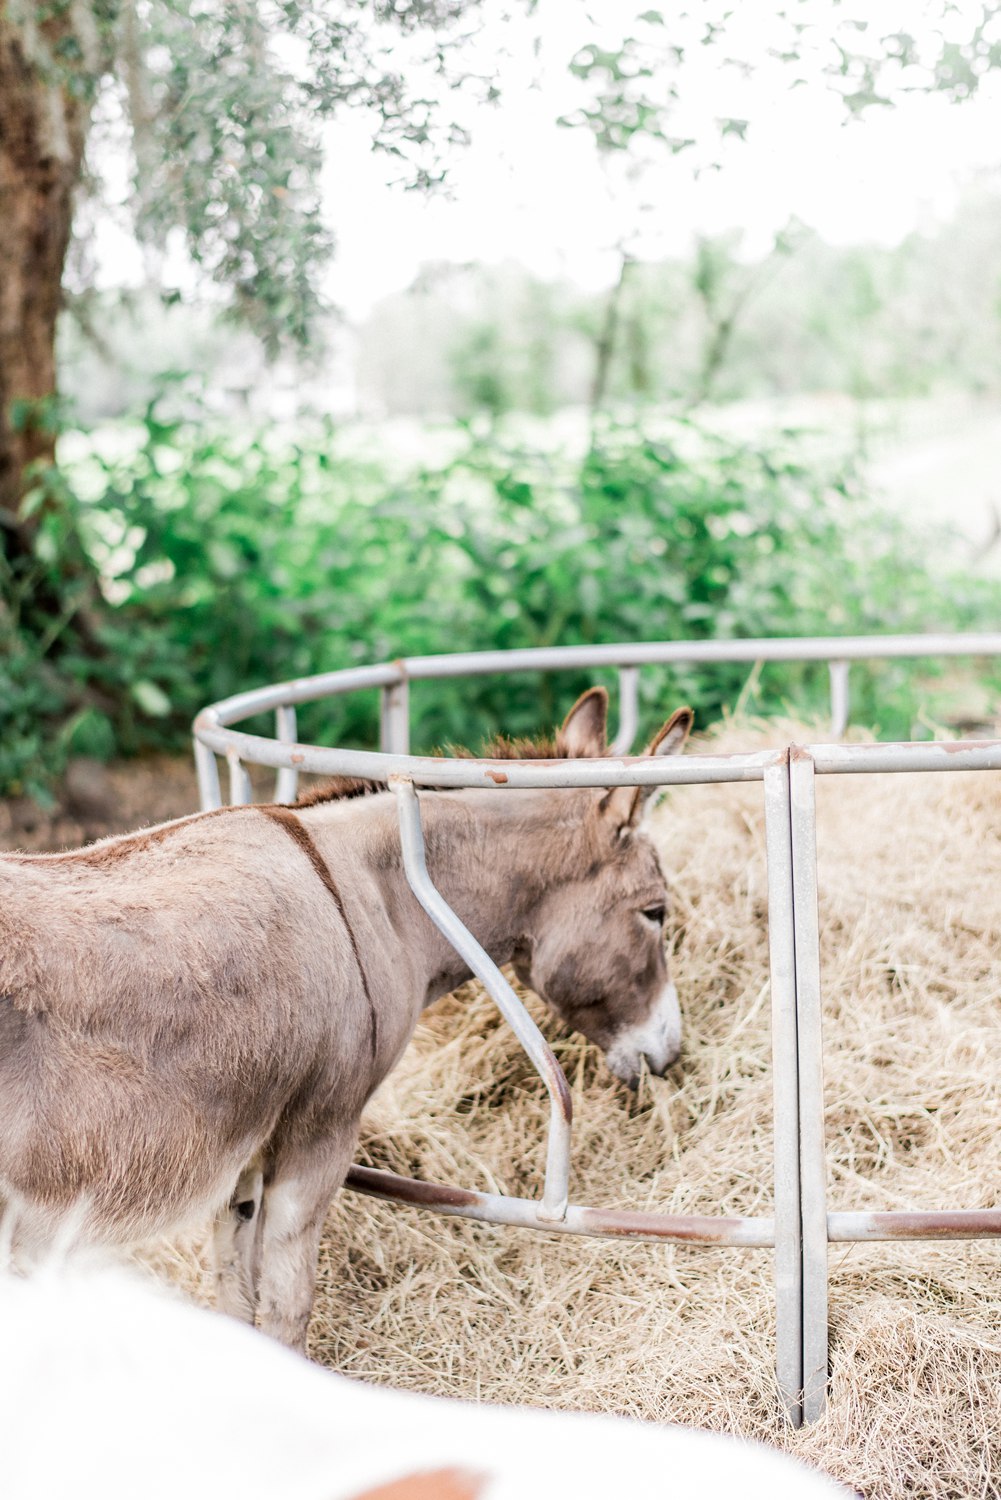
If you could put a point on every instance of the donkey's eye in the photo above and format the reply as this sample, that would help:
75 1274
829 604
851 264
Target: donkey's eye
655 914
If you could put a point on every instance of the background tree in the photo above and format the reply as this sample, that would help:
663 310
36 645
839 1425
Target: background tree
224 100
223 103
641 102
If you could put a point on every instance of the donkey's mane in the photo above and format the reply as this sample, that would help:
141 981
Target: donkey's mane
340 788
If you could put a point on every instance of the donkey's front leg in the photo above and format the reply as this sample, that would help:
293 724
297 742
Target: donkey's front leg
296 1198
236 1242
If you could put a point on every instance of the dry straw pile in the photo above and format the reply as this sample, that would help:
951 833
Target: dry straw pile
910 876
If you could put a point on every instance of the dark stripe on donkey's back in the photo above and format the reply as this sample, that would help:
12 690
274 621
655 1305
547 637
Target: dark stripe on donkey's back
285 818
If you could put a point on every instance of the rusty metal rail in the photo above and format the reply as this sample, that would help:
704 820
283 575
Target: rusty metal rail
802 1228
524 1213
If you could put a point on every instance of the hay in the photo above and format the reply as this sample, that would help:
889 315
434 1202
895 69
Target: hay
911 952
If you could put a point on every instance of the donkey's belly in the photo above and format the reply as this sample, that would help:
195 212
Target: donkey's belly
96 1143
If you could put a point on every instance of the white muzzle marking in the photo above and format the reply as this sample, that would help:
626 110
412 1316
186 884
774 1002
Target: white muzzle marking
658 1040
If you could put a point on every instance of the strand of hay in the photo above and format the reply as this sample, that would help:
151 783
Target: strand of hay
910 881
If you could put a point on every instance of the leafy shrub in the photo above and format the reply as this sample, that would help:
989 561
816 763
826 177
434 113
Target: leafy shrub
228 560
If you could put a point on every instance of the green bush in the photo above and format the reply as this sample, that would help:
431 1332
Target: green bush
228 560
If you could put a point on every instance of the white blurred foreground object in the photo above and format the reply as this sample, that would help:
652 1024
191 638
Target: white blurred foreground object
111 1388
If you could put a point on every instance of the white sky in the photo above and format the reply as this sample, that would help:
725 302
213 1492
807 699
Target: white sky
529 191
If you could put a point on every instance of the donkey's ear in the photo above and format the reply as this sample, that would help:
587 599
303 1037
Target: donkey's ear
584 729
670 739
626 803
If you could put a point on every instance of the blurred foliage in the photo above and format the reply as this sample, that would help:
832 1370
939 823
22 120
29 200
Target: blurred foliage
871 322
229 559
640 92
868 321
224 106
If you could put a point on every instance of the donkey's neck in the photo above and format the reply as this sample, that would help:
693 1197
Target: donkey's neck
491 854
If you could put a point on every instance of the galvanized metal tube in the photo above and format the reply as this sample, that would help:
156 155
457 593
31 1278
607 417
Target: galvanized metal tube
785 1087
935 755
810 1052
209 790
629 711
801 1227
300 690
638 770
525 1213
647 653
287 780
918 1224
623 654
240 789
556 1185
840 703
394 724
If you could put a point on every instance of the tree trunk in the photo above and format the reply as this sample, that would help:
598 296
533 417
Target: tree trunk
608 338
43 124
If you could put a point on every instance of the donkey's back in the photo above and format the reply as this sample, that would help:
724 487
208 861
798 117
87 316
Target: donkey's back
164 998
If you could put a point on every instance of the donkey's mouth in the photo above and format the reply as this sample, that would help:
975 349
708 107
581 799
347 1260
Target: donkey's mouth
628 1068
657 1042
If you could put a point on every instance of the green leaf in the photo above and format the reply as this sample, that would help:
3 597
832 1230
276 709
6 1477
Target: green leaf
150 698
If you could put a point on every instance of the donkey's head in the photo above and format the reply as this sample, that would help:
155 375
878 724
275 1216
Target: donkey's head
595 950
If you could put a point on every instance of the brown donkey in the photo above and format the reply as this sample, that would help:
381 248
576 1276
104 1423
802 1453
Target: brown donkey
193 1017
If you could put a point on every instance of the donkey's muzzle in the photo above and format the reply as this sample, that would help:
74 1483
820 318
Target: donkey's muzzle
656 1042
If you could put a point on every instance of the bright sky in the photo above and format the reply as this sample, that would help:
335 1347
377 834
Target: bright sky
529 191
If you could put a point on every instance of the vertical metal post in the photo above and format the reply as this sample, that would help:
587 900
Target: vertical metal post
240 789
287 780
785 1085
209 791
629 711
812 1153
840 701
394 729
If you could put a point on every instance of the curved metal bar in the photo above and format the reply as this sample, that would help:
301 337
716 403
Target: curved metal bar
918 1224
622 654
792 895
426 770
923 755
555 1188
524 1213
710 1229
212 731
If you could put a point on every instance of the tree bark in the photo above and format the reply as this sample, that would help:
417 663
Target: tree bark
608 338
43 126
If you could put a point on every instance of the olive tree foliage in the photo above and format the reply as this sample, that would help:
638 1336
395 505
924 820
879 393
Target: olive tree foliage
226 101
640 84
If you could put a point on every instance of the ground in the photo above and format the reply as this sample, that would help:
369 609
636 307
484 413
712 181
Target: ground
99 800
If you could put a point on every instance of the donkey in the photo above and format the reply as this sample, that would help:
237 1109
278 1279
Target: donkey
192 1017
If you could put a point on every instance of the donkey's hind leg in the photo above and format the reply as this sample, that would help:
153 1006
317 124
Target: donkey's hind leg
237 1241
297 1195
